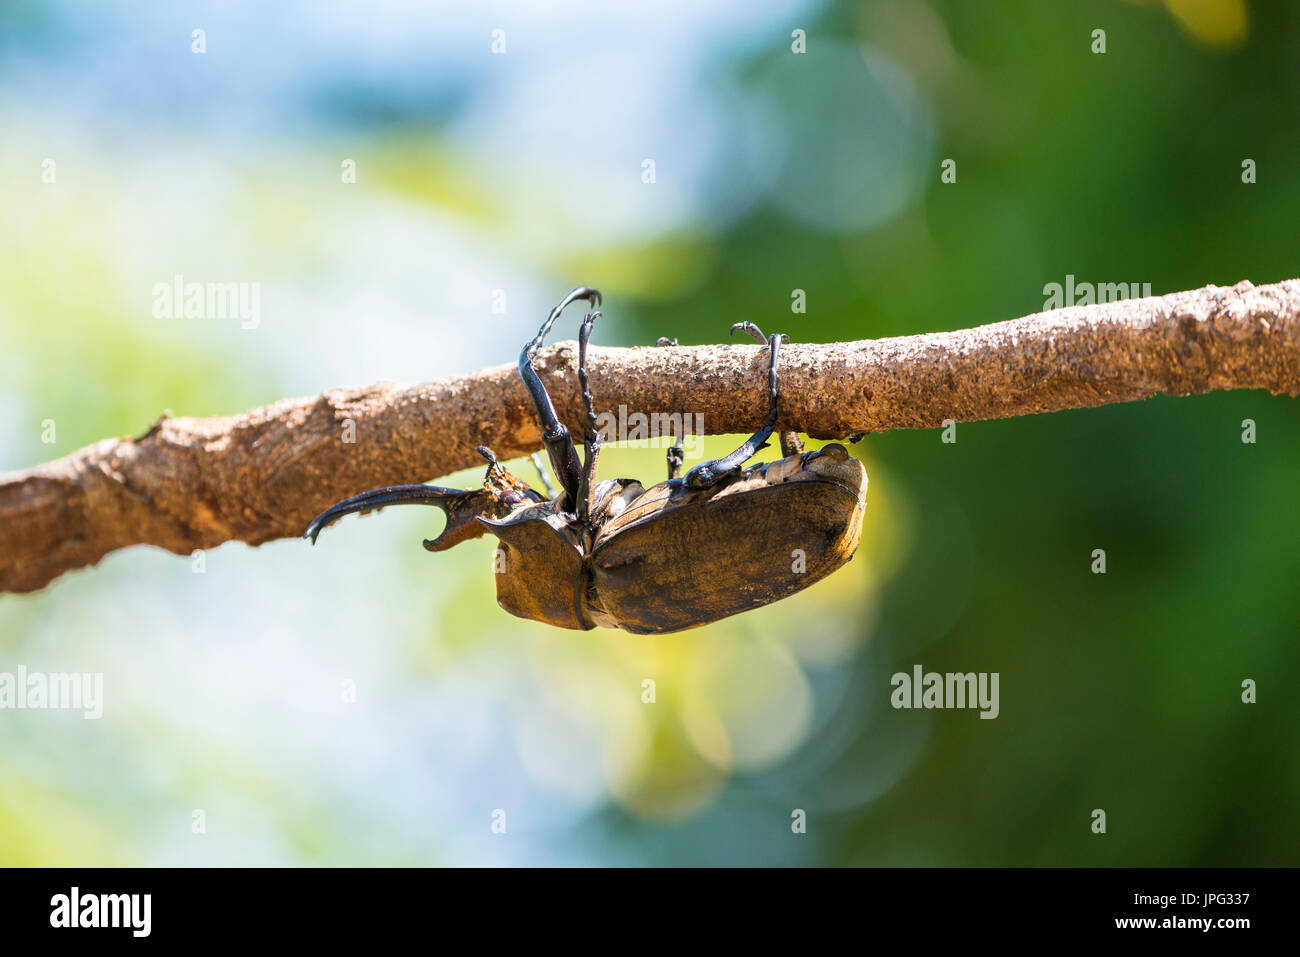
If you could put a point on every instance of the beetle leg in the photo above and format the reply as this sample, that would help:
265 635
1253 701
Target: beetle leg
675 454
790 442
591 438
587 487
675 459
551 490
709 474
559 445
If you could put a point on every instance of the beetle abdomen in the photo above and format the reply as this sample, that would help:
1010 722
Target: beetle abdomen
676 559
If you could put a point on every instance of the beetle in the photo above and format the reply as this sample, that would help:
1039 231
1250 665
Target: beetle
699 547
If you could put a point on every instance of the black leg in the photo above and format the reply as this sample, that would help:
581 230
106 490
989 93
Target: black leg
551 490
559 446
708 474
591 438
675 454
790 443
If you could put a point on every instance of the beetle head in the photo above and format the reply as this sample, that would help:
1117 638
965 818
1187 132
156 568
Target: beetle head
500 495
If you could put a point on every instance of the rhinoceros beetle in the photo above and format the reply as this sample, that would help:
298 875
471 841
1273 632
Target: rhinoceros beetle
699 547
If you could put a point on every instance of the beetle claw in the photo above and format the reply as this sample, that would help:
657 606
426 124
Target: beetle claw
752 329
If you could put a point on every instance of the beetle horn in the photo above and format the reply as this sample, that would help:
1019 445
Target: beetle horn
460 506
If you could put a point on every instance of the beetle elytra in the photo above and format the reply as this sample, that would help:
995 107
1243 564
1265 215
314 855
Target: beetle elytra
717 541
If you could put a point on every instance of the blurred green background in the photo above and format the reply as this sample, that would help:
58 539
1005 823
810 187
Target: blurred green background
520 174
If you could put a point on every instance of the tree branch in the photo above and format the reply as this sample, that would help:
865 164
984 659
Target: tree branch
195 483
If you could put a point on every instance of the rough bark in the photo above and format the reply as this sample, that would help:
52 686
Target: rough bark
195 483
